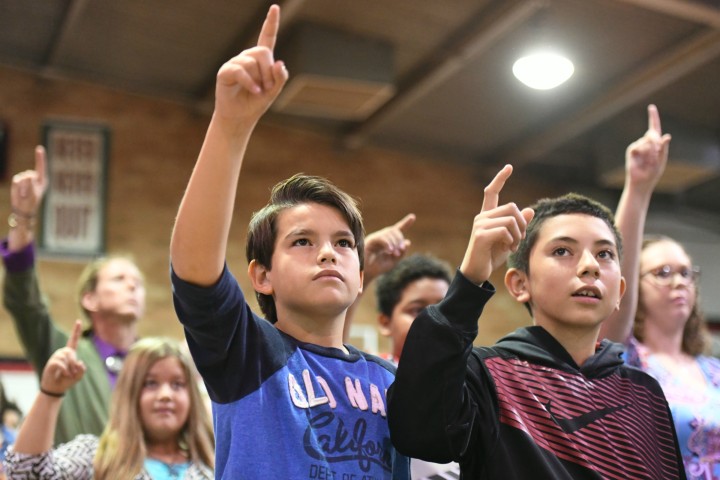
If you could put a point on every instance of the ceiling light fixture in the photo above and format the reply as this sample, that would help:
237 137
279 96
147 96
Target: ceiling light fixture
543 70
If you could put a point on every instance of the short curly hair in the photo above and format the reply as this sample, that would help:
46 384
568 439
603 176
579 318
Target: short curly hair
391 285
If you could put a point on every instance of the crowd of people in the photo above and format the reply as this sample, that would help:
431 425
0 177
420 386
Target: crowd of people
611 380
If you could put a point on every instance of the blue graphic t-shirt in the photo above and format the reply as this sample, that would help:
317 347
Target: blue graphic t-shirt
283 408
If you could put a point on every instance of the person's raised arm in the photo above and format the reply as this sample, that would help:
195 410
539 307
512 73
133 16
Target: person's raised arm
430 413
26 194
246 86
62 371
383 250
645 161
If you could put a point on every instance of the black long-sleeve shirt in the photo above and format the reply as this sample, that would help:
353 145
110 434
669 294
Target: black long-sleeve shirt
523 409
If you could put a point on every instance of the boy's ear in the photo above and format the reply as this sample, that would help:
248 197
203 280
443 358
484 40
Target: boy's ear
384 322
516 281
623 286
89 301
259 277
362 281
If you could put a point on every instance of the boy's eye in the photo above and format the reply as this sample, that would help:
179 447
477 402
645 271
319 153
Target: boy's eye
345 243
302 242
607 254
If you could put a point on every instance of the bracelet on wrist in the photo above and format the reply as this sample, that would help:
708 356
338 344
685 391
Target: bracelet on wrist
52 394
22 214
17 219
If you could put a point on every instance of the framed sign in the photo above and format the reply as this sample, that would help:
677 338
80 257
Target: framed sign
73 216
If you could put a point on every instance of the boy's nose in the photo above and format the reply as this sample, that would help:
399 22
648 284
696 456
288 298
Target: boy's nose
327 254
588 265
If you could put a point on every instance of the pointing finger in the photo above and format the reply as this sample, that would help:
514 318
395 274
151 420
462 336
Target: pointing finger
654 120
40 164
271 25
492 191
406 222
75 335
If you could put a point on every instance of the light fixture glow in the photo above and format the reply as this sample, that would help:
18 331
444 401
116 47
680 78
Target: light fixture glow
543 71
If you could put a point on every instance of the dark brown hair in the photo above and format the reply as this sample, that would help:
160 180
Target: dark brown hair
297 190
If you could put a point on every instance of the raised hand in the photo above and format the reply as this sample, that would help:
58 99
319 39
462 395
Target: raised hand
63 369
646 157
28 187
386 247
248 83
497 231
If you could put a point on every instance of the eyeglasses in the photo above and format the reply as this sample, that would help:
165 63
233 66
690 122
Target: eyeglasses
665 275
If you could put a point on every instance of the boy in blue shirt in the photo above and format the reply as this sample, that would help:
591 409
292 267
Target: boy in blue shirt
290 400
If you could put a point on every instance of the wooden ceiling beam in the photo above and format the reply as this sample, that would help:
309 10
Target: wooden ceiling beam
69 23
471 40
683 9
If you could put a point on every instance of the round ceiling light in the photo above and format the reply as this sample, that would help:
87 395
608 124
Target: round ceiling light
543 71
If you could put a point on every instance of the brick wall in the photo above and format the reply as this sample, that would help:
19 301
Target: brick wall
153 148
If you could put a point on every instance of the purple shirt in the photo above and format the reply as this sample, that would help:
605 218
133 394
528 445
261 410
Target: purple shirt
105 350
16 262
24 259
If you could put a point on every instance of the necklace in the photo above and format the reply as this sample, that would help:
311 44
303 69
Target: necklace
172 470
162 470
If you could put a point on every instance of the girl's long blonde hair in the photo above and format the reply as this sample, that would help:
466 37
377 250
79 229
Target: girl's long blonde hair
122 449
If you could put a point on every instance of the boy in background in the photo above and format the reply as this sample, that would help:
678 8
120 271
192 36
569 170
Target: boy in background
414 283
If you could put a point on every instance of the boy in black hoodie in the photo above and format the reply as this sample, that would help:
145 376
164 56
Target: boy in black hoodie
548 401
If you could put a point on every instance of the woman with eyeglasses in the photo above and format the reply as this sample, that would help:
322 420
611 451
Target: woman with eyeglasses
659 318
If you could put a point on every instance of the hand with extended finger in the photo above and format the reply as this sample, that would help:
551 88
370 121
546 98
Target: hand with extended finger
248 83
646 157
496 232
386 247
28 188
63 369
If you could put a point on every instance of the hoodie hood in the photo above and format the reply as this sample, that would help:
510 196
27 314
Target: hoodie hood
537 346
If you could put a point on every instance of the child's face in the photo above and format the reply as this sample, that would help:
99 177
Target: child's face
164 400
416 296
315 266
574 279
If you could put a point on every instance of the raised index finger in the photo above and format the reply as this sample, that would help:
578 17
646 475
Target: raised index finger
75 335
269 31
40 164
406 221
492 191
654 120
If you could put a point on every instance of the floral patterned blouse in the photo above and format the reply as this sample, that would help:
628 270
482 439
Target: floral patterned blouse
695 411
